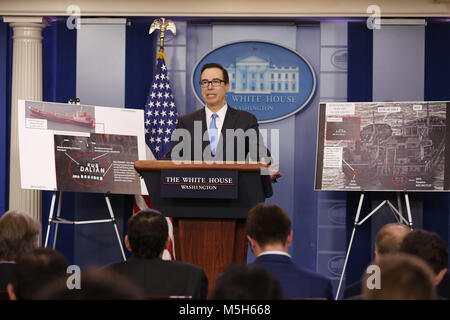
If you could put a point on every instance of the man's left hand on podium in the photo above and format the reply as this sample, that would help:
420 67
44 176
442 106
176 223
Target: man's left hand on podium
273 171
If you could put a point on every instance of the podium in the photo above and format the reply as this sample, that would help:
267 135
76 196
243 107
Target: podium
209 215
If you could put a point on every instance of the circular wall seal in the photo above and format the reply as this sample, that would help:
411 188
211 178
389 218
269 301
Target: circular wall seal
269 80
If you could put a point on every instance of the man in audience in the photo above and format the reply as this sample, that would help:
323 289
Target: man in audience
270 236
244 282
35 270
430 247
388 240
95 284
19 234
147 238
401 277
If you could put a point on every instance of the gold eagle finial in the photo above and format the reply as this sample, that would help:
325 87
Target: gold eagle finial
163 25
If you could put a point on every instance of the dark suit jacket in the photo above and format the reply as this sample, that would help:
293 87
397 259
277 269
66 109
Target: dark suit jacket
159 277
6 269
295 282
444 287
234 119
353 290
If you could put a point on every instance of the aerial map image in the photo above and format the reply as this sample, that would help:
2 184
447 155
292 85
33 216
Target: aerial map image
382 146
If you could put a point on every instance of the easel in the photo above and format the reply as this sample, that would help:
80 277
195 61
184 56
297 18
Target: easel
59 220
359 223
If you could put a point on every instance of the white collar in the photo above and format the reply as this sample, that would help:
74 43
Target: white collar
221 113
275 252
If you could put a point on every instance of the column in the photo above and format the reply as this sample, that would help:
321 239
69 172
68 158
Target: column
27 85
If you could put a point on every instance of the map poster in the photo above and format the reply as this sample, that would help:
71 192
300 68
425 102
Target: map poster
80 148
97 163
383 146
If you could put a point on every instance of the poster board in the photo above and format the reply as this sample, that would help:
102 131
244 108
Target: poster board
383 146
80 148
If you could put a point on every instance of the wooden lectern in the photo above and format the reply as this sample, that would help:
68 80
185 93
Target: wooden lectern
209 231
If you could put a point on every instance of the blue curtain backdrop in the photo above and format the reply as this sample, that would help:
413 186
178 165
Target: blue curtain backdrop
437 88
437 61
140 62
360 62
5 114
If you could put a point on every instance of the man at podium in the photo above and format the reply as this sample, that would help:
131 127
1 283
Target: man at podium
212 223
218 132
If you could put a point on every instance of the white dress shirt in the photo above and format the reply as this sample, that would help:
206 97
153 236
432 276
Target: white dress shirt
275 252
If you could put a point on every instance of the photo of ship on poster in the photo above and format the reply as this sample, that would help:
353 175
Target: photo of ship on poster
80 118
382 146
54 116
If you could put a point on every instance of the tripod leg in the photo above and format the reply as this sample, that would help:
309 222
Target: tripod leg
408 210
372 213
361 199
113 220
397 213
58 214
50 217
399 204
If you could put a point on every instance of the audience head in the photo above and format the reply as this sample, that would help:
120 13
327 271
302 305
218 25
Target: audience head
389 238
148 234
95 284
19 234
268 226
35 270
402 277
245 282
430 247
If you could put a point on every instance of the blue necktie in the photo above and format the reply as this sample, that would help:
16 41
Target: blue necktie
213 134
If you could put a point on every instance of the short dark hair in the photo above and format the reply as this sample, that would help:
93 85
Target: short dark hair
244 282
35 270
147 233
218 66
268 224
428 246
96 284
19 234
402 277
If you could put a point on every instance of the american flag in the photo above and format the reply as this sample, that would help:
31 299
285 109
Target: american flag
160 119
160 112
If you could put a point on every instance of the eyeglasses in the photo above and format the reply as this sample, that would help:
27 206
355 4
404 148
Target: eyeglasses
214 82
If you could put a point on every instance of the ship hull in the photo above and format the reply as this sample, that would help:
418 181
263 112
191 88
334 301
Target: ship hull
59 118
